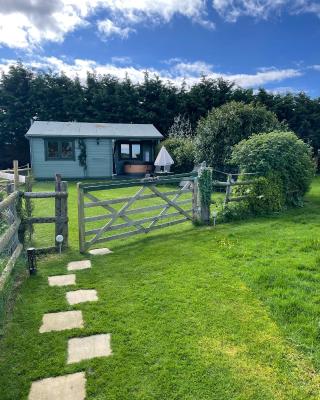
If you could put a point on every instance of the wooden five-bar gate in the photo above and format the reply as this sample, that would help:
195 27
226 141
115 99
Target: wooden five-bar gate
162 201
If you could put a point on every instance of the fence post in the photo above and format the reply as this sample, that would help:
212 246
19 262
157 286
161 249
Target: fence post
81 225
9 188
28 201
204 193
61 210
64 215
228 190
195 200
16 174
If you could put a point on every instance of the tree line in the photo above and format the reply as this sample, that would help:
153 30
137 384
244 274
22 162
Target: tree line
26 94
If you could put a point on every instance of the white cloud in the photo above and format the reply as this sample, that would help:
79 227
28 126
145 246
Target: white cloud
307 6
175 73
316 67
232 10
29 23
123 60
108 28
283 90
262 78
191 69
138 10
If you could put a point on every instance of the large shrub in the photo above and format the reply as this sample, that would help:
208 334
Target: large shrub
284 161
182 151
228 125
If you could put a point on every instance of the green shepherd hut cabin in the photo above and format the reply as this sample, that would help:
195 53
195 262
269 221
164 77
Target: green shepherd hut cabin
91 150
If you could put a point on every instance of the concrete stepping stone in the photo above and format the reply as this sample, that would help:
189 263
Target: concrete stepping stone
78 265
81 296
62 280
66 387
100 252
61 321
89 347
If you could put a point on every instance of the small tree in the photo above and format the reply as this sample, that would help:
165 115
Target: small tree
180 144
281 158
226 126
180 128
182 151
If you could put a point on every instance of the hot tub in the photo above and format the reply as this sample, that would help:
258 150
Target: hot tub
141 169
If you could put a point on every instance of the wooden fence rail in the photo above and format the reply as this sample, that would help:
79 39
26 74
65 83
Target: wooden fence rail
172 207
10 247
228 185
13 175
9 242
60 219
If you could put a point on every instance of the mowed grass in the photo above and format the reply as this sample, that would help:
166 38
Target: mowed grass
230 312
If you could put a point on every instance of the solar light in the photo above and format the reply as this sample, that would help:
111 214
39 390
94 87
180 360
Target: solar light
214 215
32 260
59 240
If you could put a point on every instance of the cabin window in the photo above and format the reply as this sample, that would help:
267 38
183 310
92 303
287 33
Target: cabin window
130 151
136 151
60 149
125 151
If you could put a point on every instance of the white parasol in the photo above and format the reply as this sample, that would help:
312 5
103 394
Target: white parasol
163 159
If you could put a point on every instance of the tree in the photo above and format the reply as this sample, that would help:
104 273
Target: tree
16 110
182 150
278 156
104 98
205 95
181 127
226 126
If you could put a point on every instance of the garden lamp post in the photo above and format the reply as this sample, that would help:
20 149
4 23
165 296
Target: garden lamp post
214 215
59 240
32 260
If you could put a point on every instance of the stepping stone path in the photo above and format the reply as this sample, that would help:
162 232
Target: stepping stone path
67 387
72 386
78 265
88 347
62 280
100 252
61 321
81 296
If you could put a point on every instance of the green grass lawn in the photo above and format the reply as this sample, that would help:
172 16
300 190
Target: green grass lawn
195 313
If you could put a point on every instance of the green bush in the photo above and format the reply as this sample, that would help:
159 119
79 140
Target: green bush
284 160
182 151
226 126
264 196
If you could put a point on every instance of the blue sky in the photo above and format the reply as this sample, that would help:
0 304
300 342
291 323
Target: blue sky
255 43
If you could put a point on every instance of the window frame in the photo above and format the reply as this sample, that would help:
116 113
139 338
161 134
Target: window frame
59 140
130 151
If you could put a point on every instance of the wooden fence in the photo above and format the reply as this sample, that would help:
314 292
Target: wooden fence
9 241
60 219
17 175
10 222
174 207
233 182
123 219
